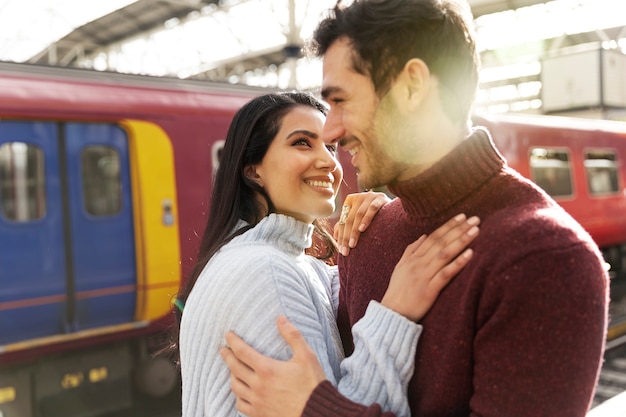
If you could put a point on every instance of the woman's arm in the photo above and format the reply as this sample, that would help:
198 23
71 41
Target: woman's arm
381 367
269 382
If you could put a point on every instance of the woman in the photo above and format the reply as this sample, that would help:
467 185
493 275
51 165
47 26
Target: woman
275 180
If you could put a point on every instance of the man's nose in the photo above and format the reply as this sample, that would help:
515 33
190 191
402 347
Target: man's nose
333 128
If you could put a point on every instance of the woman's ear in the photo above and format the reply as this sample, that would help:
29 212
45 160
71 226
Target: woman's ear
250 172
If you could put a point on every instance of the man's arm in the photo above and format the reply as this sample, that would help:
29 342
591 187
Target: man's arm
274 387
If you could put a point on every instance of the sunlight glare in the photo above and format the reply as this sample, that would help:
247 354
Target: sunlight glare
28 27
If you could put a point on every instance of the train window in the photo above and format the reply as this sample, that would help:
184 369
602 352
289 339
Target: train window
551 170
102 187
601 169
22 182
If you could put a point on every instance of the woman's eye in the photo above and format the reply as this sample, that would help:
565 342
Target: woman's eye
332 149
301 142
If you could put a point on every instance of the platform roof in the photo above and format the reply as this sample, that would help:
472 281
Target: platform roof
145 15
139 16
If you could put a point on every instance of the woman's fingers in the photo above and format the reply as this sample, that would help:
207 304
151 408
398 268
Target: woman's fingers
439 257
450 239
371 204
343 227
445 274
428 265
357 213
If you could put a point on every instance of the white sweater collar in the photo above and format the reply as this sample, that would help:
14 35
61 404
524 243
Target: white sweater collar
284 232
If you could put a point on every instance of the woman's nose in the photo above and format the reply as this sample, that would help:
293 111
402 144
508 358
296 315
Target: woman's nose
328 160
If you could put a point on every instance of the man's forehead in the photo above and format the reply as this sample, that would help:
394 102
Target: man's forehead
337 66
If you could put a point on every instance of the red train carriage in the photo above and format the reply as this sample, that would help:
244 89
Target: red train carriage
579 162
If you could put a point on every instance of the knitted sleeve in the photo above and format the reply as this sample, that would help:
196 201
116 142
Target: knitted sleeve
326 401
380 368
381 335
388 339
372 338
382 364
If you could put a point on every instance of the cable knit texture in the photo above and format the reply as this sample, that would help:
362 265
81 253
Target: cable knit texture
520 331
262 274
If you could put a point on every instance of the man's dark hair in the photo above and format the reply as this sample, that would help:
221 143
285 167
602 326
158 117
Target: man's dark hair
385 34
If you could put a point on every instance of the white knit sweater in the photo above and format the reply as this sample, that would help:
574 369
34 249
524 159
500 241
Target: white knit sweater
262 274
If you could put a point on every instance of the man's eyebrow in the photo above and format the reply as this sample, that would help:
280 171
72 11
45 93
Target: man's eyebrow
329 90
303 132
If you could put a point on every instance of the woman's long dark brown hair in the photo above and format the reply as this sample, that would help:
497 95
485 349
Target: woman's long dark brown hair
234 196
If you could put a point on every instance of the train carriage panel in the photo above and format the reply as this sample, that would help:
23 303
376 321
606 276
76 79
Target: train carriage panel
156 218
580 163
193 141
32 258
101 218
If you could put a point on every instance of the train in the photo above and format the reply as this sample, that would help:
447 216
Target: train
104 185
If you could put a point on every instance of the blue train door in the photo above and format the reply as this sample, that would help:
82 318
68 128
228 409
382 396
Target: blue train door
33 295
102 238
67 259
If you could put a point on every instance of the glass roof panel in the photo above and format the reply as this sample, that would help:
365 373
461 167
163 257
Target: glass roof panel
28 26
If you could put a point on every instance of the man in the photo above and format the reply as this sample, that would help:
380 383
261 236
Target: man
520 331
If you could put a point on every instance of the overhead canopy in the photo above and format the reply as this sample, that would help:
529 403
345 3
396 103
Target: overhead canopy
482 7
145 15
139 16
253 41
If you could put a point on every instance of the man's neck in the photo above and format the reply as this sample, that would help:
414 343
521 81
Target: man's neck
439 146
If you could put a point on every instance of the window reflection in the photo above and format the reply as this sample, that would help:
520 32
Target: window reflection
551 170
22 182
102 187
601 168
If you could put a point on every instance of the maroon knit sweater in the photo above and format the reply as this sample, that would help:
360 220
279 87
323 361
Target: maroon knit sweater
520 331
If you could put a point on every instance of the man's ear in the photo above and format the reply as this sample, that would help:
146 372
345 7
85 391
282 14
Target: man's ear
417 77
250 172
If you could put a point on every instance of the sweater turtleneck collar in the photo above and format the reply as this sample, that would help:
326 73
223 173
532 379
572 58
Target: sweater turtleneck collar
454 177
284 232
